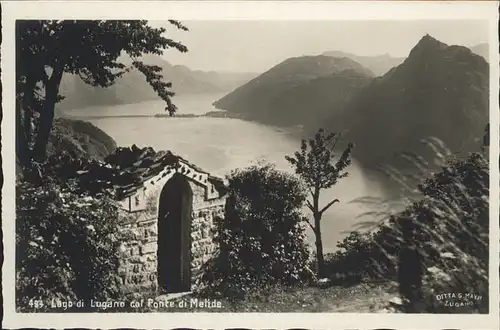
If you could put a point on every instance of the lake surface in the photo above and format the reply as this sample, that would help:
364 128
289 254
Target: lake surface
219 145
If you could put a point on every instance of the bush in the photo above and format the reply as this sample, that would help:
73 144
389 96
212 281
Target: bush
65 245
262 237
357 259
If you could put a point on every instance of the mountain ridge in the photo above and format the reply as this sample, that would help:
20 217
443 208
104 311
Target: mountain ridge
378 64
133 88
439 90
381 64
266 98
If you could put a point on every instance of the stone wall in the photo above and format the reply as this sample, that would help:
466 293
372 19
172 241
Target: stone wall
138 266
139 237
202 228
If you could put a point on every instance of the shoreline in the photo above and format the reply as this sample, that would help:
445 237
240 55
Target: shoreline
382 184
296 132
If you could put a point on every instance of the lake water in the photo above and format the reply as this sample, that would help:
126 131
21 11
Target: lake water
219 145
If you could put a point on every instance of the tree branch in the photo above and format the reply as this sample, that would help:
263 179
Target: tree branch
44 77
310 191
336 138
328 205
310 225
309 205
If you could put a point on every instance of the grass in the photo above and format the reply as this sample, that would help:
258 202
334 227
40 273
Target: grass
335 299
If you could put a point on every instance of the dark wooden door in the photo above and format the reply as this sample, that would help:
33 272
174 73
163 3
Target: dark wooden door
174 236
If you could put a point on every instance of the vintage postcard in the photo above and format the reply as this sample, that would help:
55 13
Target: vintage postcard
261 164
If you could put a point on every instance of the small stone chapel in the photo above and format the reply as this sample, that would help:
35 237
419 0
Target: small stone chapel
166 217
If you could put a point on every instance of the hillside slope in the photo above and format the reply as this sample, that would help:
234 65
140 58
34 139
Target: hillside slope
80 139
298 91
133 88
439 90
312 102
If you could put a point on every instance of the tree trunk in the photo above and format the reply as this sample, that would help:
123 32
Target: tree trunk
319 246
42 138
27 109
317 231
24 114
22 147
47 116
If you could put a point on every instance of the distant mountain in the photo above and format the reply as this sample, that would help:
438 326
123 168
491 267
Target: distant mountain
222 81
379 65
298 91
132 87
439 90
482 50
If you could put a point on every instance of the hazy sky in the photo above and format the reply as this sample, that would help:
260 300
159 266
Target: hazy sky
255 46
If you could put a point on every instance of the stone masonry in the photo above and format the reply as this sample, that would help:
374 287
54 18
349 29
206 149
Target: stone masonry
138 215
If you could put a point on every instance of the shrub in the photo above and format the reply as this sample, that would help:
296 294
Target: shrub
452 228
262 237
456 231
357 259
65 244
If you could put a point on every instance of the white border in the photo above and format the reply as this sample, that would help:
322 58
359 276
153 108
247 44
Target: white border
213 10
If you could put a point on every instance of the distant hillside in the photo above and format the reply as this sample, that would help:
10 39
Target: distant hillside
482 50
132 87
80 139
379 65
310 103
439 91
221 81
300 90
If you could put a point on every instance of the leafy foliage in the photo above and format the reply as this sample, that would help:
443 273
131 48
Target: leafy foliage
315 165
65 245
262 238
356 260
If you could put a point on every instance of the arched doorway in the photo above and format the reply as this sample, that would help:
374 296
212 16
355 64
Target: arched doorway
174 236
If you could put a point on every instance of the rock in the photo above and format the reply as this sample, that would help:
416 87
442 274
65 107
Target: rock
323 282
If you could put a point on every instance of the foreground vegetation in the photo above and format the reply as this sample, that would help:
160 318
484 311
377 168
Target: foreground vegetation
262 238
446 251
264 258
65 236
451 220
364 297
65 243
65 239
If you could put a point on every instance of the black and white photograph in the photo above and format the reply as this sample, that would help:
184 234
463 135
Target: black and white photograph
251 166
